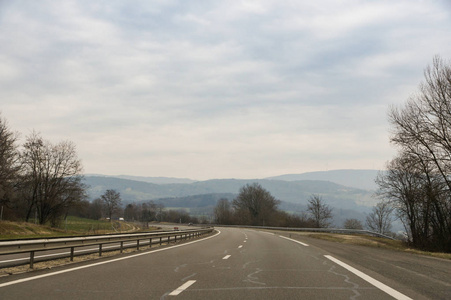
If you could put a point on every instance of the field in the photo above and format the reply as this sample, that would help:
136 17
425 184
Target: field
70 227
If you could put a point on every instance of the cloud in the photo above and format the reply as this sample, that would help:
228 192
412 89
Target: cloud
220 89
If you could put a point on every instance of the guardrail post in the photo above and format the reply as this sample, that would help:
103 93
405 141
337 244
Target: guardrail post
100 249
31 259
137 244
71 253
160 240
150 243
122 246
175 238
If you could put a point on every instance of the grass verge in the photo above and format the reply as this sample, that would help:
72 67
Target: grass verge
371 241
73 226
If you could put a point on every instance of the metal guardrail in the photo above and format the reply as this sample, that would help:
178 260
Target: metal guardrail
326 230
32 246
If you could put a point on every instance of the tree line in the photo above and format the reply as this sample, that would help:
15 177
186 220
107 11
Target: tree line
110 206
255 206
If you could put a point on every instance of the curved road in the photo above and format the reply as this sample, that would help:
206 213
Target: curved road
233 264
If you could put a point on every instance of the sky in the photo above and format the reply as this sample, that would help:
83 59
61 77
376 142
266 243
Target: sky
216 89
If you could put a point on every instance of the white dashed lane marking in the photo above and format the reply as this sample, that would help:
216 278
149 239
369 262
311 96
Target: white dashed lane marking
182 288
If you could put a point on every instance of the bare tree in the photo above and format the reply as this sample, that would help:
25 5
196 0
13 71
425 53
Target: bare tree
379 220
353 224
414 193
111 200
52 180
9 163
254 205
159 212
222 212
131 212
320 212
422 126
418 182
148 212
96 209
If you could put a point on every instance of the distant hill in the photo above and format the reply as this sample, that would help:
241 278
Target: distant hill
296 192
195 201
348 192
156 180
200 197
360 179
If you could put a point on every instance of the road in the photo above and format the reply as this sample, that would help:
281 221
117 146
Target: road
234 264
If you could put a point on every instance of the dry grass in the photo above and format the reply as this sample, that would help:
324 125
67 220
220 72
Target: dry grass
74 226
377 242
11 230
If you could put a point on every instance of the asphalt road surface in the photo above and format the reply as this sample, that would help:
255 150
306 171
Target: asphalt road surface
242 264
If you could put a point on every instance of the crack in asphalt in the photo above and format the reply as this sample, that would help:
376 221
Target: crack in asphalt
252 279
354 285
179 267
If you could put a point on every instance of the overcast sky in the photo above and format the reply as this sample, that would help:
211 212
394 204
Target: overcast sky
216 89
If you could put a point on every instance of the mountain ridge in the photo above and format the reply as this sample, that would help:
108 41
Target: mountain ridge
200 197
290 191
356 178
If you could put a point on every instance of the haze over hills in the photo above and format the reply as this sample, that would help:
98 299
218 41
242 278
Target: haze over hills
360 179
200 197
290 191
156 180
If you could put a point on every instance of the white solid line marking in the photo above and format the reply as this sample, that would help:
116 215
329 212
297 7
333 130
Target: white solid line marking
182 288
240 246
226 257
103 262
394 293
303 244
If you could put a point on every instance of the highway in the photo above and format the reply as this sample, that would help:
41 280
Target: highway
242 264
